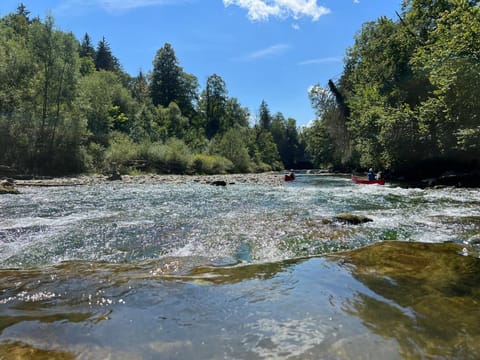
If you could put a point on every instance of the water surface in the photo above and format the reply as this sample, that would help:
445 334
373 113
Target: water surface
182 271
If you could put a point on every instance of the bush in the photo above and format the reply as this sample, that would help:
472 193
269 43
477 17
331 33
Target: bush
94 156
179 157
211 164
171 157
121 151
232 147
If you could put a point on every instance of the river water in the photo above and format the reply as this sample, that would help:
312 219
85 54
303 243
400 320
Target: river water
193 271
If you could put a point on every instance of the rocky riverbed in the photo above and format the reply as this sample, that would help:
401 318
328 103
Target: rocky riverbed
271 178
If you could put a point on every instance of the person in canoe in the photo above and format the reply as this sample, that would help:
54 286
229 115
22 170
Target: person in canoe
371 175
290 176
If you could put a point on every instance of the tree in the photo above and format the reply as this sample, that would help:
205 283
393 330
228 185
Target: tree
20 21
55 85
173 121
101 97
264 115
236 116
213 103
140 90
86 48
451 58
168 82
165 77
232 145
104 59
331 112
320 147
279 133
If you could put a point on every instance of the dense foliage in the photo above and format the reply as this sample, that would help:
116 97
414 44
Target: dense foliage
408 96
67 106
406 100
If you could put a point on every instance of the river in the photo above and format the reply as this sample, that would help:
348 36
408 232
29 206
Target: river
194 271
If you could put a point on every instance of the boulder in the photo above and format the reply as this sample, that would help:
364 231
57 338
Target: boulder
219 183
348 218
7 186
115 176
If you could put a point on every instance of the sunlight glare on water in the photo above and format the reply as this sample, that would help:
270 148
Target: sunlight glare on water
192 271
122 223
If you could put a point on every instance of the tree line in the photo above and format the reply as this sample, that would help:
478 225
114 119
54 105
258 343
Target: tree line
67 106
407 99
406 102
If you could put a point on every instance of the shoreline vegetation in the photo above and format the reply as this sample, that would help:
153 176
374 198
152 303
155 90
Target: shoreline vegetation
406 103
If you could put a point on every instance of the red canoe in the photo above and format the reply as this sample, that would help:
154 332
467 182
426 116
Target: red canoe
365 181
289 177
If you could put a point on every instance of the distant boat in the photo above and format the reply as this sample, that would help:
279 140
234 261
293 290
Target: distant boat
289 177
357 180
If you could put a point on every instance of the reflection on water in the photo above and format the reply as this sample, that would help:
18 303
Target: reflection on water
392 300
198 272
426 298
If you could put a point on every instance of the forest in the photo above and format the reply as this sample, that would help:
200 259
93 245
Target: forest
406 101
408 98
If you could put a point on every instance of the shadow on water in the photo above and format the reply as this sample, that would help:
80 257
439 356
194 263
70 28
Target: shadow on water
391 300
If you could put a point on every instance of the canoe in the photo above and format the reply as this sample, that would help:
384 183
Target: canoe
289 177
357 180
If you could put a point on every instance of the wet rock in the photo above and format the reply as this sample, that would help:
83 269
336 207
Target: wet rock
348 218
219 183
7 186
115 176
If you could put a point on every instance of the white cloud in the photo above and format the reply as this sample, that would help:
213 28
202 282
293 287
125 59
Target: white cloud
295 27
321 61
262 10
356 1
270 51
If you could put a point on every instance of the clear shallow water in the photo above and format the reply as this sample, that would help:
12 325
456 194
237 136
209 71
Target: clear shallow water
254 223
196 271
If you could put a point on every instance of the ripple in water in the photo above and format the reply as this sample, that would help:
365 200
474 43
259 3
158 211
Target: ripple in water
125 223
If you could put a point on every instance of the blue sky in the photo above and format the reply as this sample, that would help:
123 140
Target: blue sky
271 50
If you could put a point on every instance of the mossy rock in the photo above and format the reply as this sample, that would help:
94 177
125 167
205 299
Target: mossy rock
348 218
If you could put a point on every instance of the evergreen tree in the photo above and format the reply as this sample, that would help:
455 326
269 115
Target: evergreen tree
169 83
265 117
19 22
86 48
213 103
140 90
165 82
104 59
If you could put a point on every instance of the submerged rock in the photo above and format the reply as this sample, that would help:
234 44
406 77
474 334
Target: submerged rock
428 292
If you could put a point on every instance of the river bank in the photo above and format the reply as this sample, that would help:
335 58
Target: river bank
271 178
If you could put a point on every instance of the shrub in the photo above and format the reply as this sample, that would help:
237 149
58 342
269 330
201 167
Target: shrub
179 157
211 164
121 151
171 157
94 156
